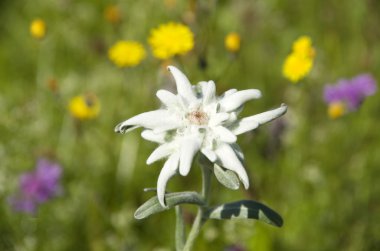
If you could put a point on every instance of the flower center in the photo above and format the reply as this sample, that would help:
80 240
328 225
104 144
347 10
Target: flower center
197 117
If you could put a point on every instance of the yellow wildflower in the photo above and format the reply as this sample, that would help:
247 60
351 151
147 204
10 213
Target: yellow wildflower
336 110
300 62
303 46
171 39
37 28
112 14
126 53
296 67
84 107
232 42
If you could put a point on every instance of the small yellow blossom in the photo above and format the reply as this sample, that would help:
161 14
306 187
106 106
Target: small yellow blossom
84 107
126 53
38 28
171 39
303 46
296 67
300 62
112 14
336 110
232 42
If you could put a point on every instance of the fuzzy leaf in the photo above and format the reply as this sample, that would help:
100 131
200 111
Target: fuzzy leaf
226 177
152 205
245 209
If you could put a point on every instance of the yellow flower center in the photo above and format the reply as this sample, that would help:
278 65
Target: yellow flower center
336 110
232 42
38 28
84 107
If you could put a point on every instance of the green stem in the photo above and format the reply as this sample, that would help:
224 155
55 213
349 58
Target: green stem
200 219
179 229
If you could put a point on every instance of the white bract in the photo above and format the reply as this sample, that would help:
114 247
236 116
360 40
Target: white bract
195 120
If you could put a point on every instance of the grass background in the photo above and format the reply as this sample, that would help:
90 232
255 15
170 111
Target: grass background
321 175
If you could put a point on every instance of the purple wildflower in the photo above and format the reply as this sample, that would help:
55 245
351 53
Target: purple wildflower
351 92
37 187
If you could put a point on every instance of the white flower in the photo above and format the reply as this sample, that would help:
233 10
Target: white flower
195 120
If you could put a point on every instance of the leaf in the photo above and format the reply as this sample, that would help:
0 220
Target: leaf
152 205
245 209
226 177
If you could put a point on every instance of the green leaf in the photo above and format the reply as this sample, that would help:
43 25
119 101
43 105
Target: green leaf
245 209
152 206
226 177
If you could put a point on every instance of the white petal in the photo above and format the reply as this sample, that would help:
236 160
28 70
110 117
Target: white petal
229 160
238 151
218 118
241 126
151 120
237 99
250 123
224 134
189 148
183 85
208 91
228 93
160 152
168 171
167 98
154 137
209 154
268 116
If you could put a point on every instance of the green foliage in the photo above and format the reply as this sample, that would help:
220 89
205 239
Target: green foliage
152 206
245 209
226 177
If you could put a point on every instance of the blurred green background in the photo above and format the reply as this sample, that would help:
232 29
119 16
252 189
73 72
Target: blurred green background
320 174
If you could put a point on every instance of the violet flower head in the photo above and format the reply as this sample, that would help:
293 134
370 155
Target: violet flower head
37 187
351 92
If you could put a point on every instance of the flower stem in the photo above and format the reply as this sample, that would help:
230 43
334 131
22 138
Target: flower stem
200 219
179 229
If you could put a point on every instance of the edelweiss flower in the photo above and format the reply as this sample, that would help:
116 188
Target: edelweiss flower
195 120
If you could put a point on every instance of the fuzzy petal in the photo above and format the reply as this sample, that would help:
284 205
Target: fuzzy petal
250 123
167 98
154 137
235 100
151 120
239 153
219 118
208 91
242 126
268 116
228 93
189 148
209 154
228 159
184 87
160 152
224 134
168 171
